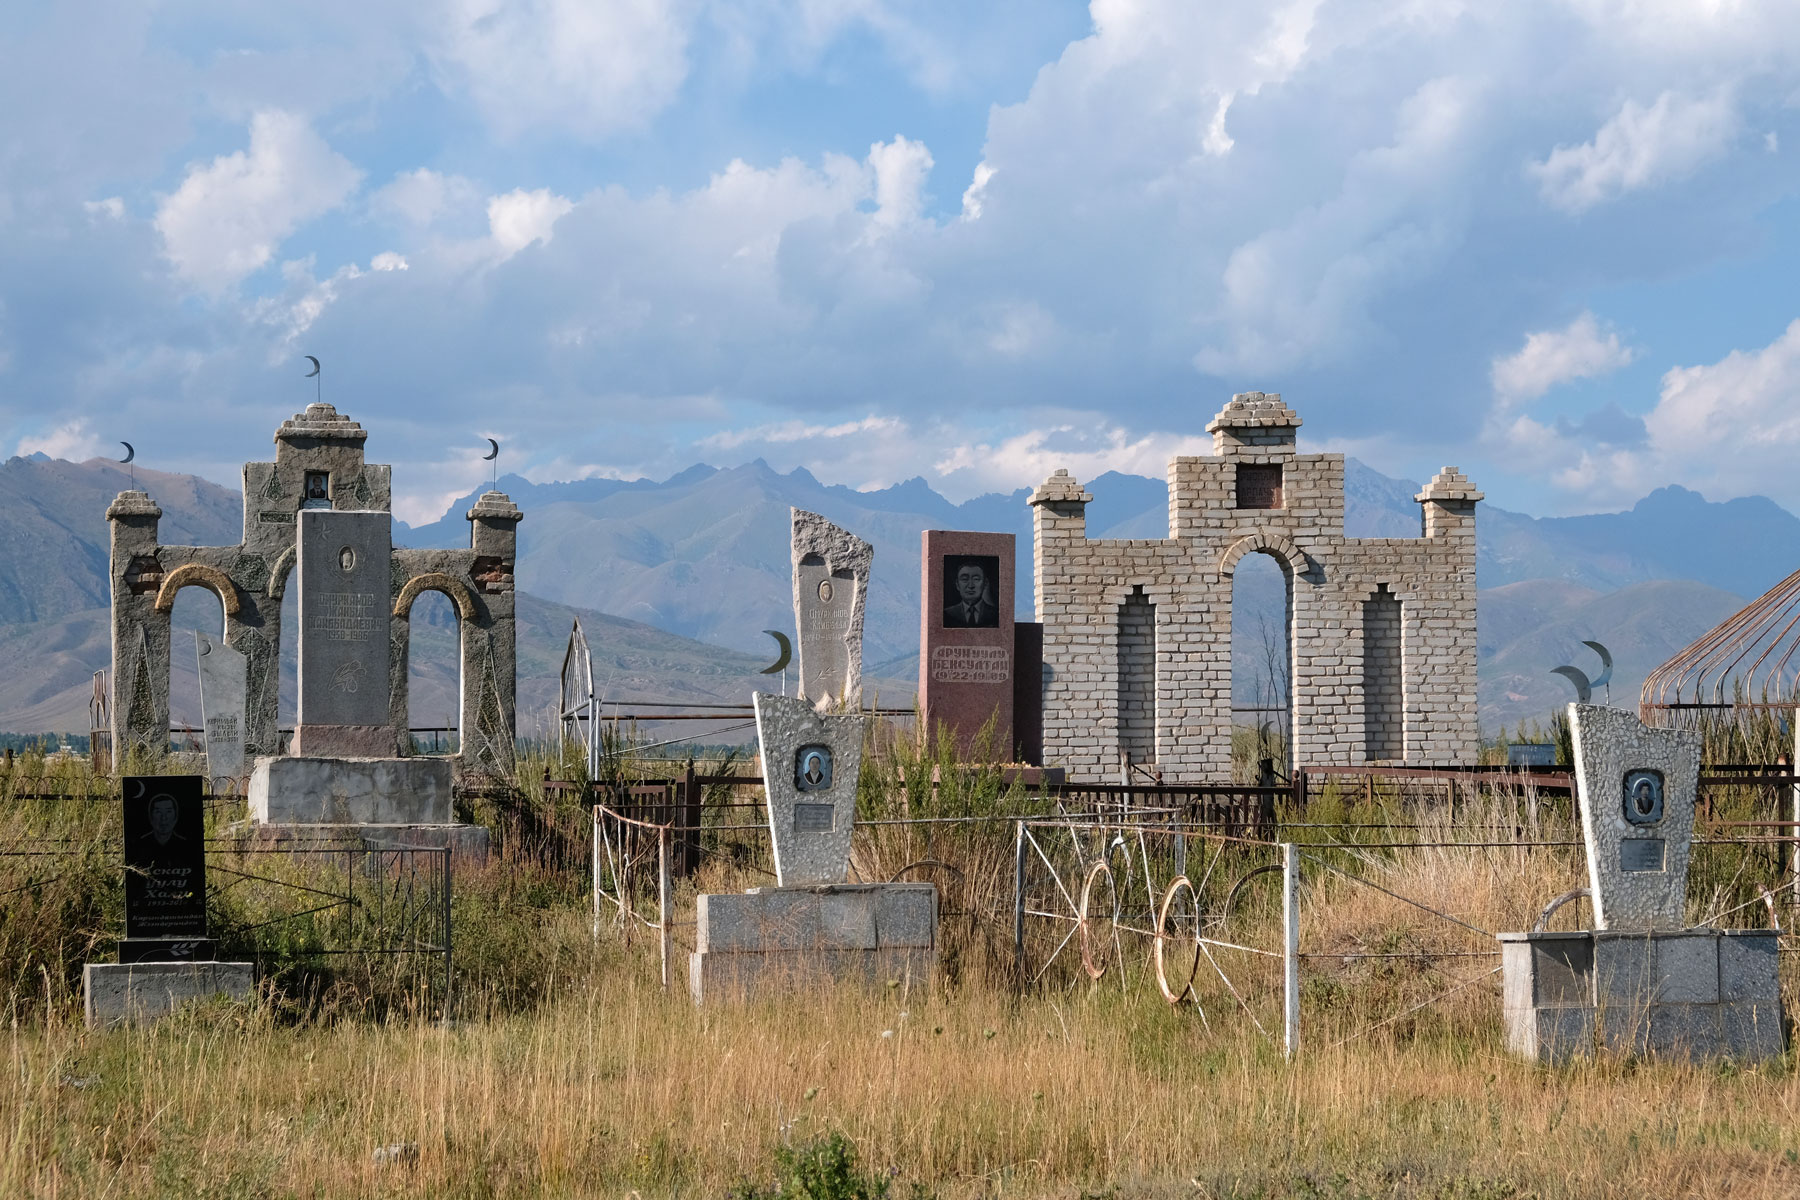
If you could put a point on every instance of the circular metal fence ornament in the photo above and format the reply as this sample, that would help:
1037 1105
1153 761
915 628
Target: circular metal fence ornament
1088 962
1162 937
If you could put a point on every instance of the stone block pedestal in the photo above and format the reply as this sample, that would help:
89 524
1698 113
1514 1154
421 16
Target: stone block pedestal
351 791
775 938
140 993
1690 994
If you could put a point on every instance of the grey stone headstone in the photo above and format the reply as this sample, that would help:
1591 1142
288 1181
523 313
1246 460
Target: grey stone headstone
1637 787
345 600
810 767
831 584
223 677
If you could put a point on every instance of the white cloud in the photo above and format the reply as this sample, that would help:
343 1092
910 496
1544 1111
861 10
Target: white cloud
73 441
971 197
901 167
1086 449
786 433
1638 148
586 67
112 207
388 260
423 197
520 218
1580 350
227 218
1728 428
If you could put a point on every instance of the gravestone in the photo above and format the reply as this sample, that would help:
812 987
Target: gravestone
966 635
345 594
813 927
1637 787
165 869
1641 981
223 677
831 583
166 958
810 768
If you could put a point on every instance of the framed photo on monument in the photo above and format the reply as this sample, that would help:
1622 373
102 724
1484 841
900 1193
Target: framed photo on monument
971 591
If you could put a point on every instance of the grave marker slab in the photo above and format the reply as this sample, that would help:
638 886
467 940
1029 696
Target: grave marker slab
831 584
223 677
1637 787
810 767
165 868
966 635
345 597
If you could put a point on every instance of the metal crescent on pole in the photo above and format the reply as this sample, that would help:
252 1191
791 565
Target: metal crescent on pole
1605 675
130 452
787 653
1584 690
315 362
494 453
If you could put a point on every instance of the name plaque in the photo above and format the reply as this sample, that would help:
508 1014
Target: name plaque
1641 854
971 664
814 818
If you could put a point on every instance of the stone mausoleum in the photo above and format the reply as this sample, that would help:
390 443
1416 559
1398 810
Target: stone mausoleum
319 465
1137 632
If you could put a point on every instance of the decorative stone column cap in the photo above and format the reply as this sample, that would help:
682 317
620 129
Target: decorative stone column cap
1255 410
132 504
1061 488
321 422
495 506
1449 484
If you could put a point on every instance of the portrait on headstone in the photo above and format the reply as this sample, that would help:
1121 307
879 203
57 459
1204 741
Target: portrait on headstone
812 768
317 493
971 589
165 856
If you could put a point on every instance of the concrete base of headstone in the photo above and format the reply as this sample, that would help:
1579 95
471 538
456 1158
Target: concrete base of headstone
1693 995
467 843
139 993
343 791
772 939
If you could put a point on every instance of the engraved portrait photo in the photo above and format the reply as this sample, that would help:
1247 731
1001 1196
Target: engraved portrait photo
971 591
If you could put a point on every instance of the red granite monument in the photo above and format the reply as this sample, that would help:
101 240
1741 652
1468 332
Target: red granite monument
966 634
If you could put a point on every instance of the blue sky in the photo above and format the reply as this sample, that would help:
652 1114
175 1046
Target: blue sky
1554 243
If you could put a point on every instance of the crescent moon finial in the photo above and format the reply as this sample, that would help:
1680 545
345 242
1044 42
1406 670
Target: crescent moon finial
787 653
130 452
315 362
1584 690
1606 664
492 454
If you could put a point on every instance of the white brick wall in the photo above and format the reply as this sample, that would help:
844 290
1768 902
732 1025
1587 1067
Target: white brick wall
1083 586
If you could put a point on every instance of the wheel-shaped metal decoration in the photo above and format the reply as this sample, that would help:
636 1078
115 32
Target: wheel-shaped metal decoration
1163 936
1096 968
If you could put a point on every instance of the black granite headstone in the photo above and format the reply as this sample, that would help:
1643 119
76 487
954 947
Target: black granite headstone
165 869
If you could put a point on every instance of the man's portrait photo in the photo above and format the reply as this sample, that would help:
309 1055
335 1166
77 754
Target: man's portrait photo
971 591
317 490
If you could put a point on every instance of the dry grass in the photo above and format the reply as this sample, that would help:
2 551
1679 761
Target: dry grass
572 1073
616 1086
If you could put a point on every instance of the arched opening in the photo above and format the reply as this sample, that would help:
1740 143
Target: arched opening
1384 696
1137 679
1261 660
288 703
434 679
197 609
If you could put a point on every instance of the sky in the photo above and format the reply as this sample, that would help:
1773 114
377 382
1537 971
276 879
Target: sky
1552 242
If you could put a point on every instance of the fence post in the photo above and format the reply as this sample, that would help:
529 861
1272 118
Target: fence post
1290 959
447 958
1794 807
1019 898
662 899
595 810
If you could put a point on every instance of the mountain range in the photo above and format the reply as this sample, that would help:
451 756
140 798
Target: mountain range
676 580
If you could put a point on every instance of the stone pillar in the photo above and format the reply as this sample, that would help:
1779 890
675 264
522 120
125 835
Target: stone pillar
1075 650
489 642
140 634
1438 634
